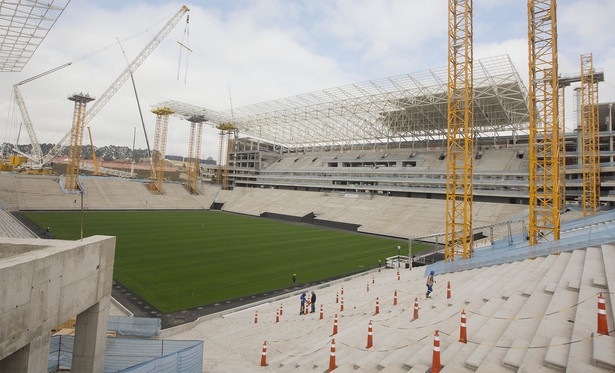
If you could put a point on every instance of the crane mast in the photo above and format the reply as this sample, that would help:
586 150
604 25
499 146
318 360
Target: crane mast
121 79
544 122
459 183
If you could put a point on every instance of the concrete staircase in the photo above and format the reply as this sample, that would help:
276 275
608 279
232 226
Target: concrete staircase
11 227
535 315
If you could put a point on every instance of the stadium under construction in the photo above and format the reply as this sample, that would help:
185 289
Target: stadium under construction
464 158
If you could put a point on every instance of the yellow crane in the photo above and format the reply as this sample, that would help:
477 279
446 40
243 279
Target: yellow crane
459 174
591 136
544 123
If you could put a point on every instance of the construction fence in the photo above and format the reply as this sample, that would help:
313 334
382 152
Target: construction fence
134 355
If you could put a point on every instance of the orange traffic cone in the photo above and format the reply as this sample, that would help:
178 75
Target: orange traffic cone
256 317
395 298
342 290
368 287
373 281
602 325
435 363
335 325
448 290
463 334
398 275
342 305
277 316
377 306
416 309
337 298
280 309
370 342
321 312
264 355
332 356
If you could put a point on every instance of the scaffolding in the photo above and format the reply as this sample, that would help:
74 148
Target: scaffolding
194 154
562 147
544 131
221 152
224 150
460 134
590 133
76 140
160 146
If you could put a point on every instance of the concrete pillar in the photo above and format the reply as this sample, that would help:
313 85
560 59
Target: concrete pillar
32 358
91 338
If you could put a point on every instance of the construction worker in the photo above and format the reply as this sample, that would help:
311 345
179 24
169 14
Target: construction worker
303 300
430 282
313 301
294 279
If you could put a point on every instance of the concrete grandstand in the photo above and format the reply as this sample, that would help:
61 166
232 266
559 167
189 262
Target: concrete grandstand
384 173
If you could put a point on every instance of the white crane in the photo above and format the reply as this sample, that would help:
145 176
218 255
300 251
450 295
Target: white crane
37 157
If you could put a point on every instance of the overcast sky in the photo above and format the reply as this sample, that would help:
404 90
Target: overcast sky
268 49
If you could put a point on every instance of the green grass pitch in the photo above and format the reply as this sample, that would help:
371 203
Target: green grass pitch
181 259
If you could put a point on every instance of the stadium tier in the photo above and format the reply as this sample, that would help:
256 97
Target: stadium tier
523 315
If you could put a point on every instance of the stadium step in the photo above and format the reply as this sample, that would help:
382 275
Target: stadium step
488 329
603 347
608 256
579 358
520 331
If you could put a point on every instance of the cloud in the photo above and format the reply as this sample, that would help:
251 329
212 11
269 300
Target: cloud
264 50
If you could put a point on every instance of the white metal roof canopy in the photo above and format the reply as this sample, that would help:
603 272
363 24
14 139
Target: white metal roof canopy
385 110
23 26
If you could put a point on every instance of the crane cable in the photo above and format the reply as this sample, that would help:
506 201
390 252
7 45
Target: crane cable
185 43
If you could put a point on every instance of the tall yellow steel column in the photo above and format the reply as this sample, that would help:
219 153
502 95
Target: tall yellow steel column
591 150
190 162
544 123
196 167
224 150
228 160
459 188
562 147
76 140
221 152
160 148
193 165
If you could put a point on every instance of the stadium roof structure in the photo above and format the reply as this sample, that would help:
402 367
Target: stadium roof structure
23 26
399 108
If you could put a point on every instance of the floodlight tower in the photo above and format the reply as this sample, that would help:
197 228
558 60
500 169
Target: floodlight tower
459 193
544 122
76 140
591 150
194 159
160 147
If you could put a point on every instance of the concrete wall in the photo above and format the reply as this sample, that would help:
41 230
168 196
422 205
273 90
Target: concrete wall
46 282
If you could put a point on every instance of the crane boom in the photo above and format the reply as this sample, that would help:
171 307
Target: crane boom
36 152
121 79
